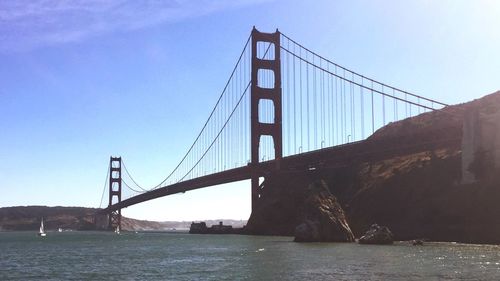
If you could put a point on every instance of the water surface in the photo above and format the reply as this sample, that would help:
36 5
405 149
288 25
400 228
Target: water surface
180 256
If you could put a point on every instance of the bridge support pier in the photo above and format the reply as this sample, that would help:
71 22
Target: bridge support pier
261 92
115 191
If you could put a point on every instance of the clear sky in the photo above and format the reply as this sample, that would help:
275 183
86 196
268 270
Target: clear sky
83 80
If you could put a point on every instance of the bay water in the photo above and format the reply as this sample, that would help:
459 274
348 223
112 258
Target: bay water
182 256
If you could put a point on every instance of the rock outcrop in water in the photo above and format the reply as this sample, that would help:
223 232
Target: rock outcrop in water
380 235
323 219
413 184
300 206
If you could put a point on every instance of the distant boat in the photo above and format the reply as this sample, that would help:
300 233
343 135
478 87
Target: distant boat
117 230
59 230
42 230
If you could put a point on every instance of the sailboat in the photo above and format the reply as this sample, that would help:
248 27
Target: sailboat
117 230
42 230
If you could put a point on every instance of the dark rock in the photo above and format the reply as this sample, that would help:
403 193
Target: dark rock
294 204
277 210
417 242
377 235
307 231
323 219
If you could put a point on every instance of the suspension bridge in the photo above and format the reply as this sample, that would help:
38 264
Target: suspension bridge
283 107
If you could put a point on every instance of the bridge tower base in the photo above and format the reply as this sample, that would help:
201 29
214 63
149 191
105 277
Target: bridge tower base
260 92
115 192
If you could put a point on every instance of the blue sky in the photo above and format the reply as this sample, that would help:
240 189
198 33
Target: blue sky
83 80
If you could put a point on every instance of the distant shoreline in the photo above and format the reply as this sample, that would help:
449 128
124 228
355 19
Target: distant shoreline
27 218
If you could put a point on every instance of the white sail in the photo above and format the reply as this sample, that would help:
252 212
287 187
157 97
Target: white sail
42 230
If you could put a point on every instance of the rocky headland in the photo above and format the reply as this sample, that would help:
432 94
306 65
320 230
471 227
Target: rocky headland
434 176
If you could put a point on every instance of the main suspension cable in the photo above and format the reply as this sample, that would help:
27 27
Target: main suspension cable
362 76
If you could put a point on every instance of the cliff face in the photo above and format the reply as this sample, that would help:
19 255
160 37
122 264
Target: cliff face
323 219
418 194
278 212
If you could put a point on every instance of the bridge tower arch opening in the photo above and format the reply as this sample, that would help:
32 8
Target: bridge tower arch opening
115 192
272 92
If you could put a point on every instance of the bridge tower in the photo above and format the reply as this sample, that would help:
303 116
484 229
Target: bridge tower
259 93
115 191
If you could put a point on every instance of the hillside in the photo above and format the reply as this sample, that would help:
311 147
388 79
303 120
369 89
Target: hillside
77 218
28 218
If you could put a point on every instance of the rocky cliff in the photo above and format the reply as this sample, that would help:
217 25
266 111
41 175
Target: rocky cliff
292 203
322 219
418 192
